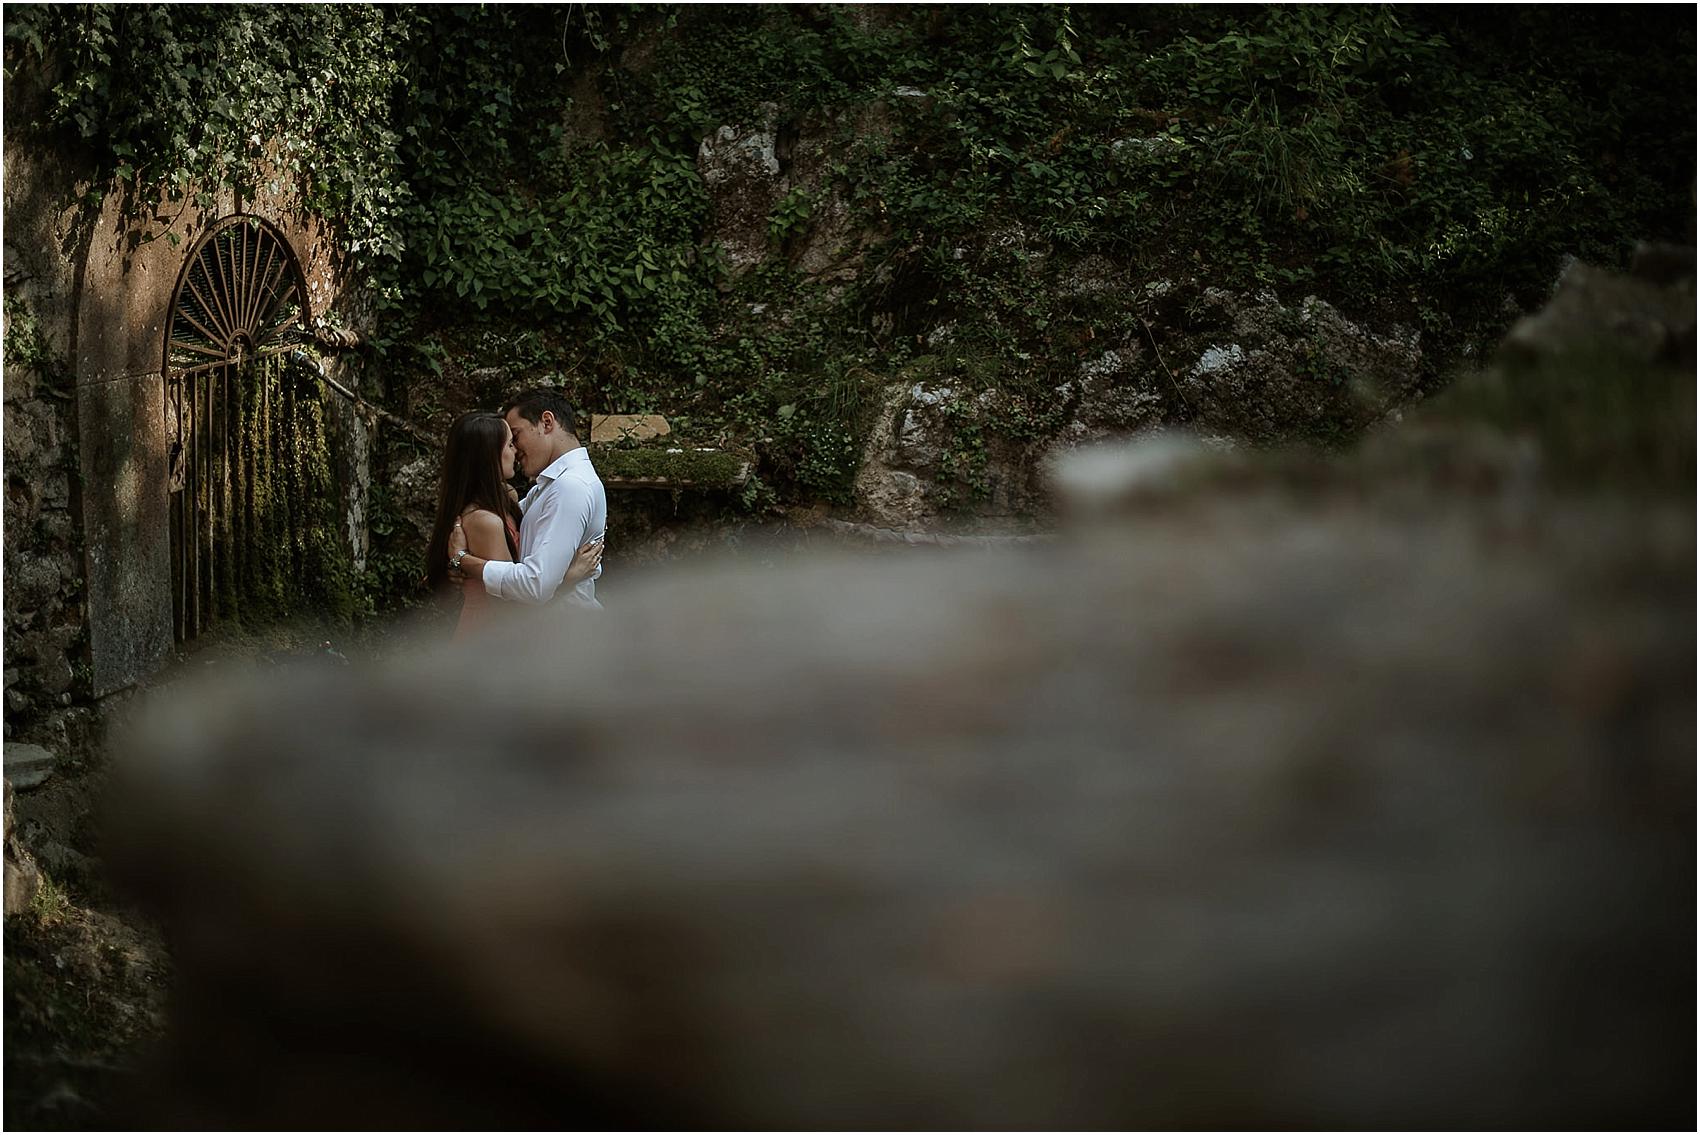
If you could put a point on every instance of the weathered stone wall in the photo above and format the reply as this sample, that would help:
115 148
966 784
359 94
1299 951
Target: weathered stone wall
122 321
46 625
1243 368
1268 793
88 296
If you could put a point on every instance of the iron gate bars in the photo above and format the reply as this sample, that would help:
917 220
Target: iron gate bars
232 420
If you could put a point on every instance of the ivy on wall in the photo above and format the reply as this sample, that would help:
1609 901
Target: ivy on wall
169 98
531 170
1363 146
1382 142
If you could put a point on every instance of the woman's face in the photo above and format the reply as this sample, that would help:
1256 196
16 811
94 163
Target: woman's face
507 458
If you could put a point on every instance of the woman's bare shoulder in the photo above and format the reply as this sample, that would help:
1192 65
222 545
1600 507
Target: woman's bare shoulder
486 535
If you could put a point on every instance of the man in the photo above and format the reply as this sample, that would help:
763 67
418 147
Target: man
565 511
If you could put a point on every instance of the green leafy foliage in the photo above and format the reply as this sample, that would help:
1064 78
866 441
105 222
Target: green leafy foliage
173 100
530 172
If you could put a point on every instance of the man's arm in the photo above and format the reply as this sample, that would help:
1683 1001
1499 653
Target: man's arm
559 519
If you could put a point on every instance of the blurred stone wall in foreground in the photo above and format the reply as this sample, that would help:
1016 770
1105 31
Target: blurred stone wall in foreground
1351 792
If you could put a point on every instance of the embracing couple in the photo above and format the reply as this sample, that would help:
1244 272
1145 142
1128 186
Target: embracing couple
495 546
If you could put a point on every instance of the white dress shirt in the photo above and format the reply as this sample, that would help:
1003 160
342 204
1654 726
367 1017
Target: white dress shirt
565 509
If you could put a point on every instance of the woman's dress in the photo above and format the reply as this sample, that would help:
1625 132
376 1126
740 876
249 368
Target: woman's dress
477 609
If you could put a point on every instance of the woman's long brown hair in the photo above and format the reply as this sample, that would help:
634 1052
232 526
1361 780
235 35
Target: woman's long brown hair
472 477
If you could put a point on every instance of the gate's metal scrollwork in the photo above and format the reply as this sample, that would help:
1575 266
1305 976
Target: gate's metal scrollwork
245 429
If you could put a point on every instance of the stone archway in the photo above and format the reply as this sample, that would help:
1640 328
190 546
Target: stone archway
126 308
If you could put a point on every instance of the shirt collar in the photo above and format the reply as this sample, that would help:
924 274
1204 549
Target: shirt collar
579 456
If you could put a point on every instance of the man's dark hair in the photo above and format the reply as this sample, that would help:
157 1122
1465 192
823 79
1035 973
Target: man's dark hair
532 403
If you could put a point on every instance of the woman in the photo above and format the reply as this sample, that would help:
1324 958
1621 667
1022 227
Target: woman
477 464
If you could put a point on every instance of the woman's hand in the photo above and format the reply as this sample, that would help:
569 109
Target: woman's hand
585 562
457 544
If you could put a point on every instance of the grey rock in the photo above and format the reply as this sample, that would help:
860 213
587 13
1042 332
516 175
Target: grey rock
917 447
1113 365
1595 309
924 395
63 863
1115 399
414 491
894 498
35 581
830 246
916 437
54 676
1137 149
1218 358
56 526
22 878
20 444
740 168
28 766
886 496
1122 409
1295 371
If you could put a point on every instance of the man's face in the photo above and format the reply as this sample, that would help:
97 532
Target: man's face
528 442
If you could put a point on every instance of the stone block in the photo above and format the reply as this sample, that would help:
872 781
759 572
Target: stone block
54 675
27 766
54 526
126 521
56 490
21 444
22 879
606 428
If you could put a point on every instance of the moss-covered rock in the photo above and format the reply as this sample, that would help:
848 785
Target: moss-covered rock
671 468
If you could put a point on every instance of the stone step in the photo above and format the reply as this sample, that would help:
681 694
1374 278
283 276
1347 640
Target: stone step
702 468
27 766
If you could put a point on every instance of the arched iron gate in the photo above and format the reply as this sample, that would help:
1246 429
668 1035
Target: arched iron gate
252 493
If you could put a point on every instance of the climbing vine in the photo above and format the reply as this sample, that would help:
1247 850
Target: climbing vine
172 99
530 174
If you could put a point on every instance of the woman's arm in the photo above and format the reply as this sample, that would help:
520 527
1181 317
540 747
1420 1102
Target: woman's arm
586 562
486 536
556 529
